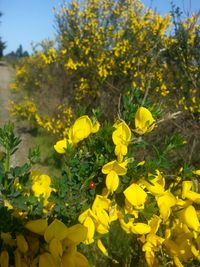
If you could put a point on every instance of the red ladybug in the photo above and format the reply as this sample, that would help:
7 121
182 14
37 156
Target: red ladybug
91 185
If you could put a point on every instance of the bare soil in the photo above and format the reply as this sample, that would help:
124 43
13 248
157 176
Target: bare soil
6 76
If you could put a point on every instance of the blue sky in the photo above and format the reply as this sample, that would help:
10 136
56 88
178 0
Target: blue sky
26 21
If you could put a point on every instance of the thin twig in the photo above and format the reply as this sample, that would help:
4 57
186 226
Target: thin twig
112 86
169 116
119 108
146 92
192 150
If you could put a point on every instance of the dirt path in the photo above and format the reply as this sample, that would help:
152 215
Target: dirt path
6 76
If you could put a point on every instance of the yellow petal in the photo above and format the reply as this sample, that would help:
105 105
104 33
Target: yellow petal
141 163
4 259
122 134
154 239
77 233
56 229
61 146
177 262
46 259
113 213
189 194
186 186
197 172
193 196
101 202
37 226
55 248
89 224
150 257
102 217
80 260
165 202
189 217
87 218
101 228
140 228
18 259
144 121
119 168
81 129
68 260
22 245
126 226
135 195
120 151
95 127
154 188
155 223
102 247
87 213
112 181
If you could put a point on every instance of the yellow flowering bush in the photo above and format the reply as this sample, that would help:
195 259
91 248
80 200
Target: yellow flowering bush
105 49
128 197
123 210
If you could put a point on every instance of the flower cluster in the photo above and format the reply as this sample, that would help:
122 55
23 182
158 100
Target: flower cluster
173 227
28 110
44 244
80 130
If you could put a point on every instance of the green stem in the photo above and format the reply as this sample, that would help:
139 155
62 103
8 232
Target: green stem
7 161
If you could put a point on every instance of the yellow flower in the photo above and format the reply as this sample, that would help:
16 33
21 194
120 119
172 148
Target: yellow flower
121 138
61 146
180 248
41 186
144 121
122 134
165 202
153 241
119 168
113 169
112 181
71 64
8 204
81 129
135 195
61 245
88 218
